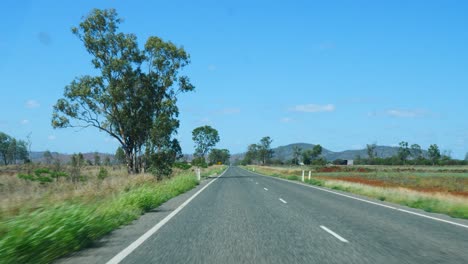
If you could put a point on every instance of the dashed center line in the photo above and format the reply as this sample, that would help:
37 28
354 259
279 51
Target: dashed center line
334 234
265 189
283 201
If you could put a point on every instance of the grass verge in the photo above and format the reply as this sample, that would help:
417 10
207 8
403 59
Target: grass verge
55 230
454 206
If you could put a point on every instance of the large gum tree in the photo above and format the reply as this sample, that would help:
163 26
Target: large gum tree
133 97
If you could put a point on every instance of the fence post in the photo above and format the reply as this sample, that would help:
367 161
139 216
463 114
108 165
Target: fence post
309 175
303 172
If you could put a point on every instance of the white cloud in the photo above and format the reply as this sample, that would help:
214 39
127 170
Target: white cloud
51 137
286 120
314 108
406 113
32 104
24 122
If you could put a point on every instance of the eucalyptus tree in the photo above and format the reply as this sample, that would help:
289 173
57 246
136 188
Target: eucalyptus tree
205 138
127 98
265 152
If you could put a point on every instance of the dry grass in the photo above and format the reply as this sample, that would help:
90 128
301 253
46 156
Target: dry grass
18 195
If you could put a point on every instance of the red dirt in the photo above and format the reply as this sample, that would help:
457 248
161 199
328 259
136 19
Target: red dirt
380 183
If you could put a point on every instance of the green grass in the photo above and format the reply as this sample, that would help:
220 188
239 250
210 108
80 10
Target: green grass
213 170
43 235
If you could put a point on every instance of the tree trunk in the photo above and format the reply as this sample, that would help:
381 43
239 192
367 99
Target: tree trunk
130 164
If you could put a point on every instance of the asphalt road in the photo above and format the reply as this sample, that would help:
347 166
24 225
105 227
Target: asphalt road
242 217
246 218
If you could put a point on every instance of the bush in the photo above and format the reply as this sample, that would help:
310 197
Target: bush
182 165
199 162
43 175
103 173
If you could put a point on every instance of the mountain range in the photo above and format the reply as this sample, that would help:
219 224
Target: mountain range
285 153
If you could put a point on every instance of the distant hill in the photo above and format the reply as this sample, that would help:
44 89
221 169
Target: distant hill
285 153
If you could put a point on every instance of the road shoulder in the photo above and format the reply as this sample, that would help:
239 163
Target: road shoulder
110 245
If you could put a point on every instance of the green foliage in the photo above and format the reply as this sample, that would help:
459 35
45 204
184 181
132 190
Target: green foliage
371 153
199 162
103 173
205 138
182 165
416 151
12 150
313 181
265 152
219 156
297 153
309 156
44 235
43 175
403 151
260 152
134 92
434 153
119 156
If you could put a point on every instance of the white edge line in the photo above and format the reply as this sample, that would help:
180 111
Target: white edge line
128 250
283 201
265 189
366 201
334 234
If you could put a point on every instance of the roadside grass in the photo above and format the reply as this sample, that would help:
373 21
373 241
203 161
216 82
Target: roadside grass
212 171
437 202
56 224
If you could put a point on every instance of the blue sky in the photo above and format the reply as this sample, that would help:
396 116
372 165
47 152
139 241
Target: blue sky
338 73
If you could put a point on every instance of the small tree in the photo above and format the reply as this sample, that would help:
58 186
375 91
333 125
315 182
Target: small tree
119 156
265 152
251 155
217 156
77 162
416 151
297 151
205 138
434 153
371 151
309 155
403 151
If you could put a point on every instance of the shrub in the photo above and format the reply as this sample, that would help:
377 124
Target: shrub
182 165
103 173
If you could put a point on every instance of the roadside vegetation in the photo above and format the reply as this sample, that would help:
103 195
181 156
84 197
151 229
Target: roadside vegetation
433 189
41 220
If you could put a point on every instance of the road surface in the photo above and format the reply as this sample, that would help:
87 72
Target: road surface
242 217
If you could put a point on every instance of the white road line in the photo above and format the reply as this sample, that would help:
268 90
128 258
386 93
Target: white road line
334 234
265 189
124 253
367 201
283 201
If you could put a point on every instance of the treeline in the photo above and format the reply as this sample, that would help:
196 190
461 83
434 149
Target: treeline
13 150
408 155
